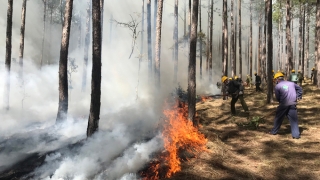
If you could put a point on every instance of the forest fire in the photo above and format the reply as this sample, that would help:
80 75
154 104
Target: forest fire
179 136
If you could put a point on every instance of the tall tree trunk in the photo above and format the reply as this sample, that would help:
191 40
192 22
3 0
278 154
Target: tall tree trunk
210 41
250 43
192 66
259 70
200 45
240 41
149 39
232 47
158 43
154 32
176 41
307 43
225 38
8 54
300 35
63 64
303 40
142 32
185 20
270 54
101 12
22 30
86 46
288 37
94 116
317 63
189 24
44 30
279 36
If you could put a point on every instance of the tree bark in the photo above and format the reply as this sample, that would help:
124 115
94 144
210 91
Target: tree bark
86 47
22 31
240 41
300 35
225 38
210 41
44 30
192 66
317 63
270 54
176 40
200 45
189 13
63 64
303 40
158 43
94 116
250 41
288 37
232 47
149 39
307 43
8 54
142 32
101 12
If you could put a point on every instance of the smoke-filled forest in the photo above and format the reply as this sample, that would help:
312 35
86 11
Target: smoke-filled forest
128 90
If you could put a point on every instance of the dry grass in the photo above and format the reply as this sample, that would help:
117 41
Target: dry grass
245 152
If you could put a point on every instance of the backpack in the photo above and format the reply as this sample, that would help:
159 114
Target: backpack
233 87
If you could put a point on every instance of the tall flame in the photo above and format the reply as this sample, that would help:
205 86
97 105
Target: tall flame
178 134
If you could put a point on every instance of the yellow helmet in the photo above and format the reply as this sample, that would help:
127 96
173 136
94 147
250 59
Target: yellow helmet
313 69
293 71
272 70
299 71
224 78
255 73
230 79
278 74
235 77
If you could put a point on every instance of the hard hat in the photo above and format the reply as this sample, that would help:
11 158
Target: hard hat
272 70
299 71
224 78
235 77
230 79
312 68
278 74
255 73
293 70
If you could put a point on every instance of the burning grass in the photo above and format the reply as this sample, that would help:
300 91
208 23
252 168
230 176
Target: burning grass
181 140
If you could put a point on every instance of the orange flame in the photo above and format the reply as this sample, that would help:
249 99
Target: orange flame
178 134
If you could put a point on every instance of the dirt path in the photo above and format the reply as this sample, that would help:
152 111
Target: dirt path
239 150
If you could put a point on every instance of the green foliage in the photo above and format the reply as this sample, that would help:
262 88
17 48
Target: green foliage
253 123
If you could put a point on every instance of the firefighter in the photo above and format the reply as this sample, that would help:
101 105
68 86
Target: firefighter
312 73
224 81
287 94
293 76
241 93
300 77
249 80
258 82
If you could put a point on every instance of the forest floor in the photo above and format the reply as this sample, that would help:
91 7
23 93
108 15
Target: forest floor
239 147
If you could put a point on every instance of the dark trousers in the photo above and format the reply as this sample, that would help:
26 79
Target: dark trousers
291 113
258 87
234 99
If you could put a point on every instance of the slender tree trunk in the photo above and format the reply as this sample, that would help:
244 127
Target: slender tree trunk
185 20
270 54
192 66
232 47
142 32
101 12
176 40
210 41
303 40
44 30
94 116
158 43
259 46
149 39
300 35
22 30
307 43
288 37
63 64
225 39
250 43
8 54
154 32
317 63
240 40
86 47
189 24
200 45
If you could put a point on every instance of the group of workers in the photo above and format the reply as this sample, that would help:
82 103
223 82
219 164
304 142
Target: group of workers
287 93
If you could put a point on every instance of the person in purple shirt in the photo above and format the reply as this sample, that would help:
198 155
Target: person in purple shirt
287 94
